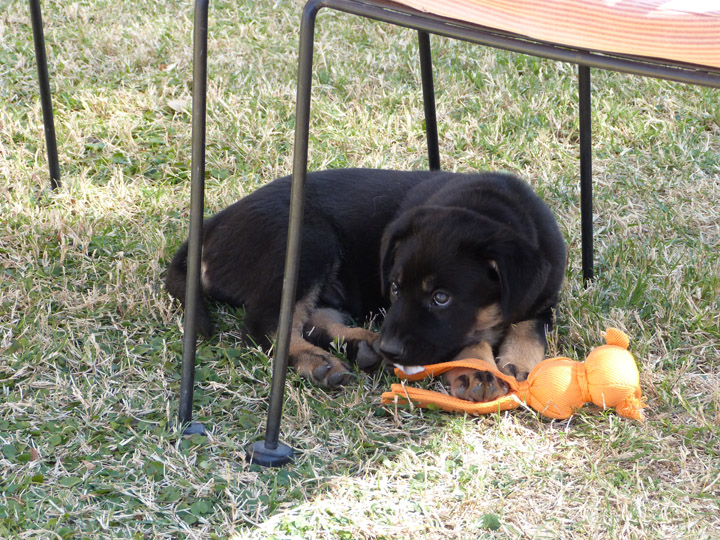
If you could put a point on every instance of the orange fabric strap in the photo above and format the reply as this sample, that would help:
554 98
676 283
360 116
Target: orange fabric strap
427 398
556 387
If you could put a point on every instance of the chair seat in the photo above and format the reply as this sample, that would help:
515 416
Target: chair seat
679 31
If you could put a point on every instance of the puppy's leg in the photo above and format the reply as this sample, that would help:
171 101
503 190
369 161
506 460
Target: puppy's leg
522 348
326 324
471 384
310 361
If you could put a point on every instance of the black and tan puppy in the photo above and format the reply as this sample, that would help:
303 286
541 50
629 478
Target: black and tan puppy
473 267
465 264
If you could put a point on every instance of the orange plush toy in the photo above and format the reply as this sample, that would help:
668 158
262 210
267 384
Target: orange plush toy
556 387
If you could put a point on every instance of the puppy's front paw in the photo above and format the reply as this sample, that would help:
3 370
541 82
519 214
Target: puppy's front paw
322 368
474 385
366 357
520 373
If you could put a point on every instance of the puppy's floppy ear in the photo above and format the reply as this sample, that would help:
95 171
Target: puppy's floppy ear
522 268
523 272
397 230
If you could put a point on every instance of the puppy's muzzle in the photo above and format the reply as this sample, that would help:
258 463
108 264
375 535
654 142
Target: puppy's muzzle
391 348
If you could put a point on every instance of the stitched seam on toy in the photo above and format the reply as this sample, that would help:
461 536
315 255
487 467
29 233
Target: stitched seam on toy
583 384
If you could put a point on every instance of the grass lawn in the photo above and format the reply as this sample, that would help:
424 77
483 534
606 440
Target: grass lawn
90 342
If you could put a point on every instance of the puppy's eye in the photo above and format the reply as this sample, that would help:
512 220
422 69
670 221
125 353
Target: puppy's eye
441 298
394 289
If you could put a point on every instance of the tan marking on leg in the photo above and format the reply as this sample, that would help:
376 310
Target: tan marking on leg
332 322
310 361
319 365
481 351
522 348
301 315
360 341
305 356
469 384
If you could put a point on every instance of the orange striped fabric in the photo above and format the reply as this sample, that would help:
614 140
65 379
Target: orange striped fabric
671 30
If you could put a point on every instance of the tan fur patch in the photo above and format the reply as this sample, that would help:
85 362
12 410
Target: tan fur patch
522 347
332 323
204 277
481 351
488 317
488 325
306 358
303 311
309 360
428 284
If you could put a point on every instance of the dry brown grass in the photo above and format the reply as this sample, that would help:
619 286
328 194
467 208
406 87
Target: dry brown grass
90 342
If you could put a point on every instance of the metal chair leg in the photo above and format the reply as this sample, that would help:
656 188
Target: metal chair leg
45 98
586 202
429 100
197 204
271 452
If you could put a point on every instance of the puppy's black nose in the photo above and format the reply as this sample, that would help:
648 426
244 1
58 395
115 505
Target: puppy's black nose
391 348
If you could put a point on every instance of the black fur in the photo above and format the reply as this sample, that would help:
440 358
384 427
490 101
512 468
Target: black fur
483 239
487 238
345 214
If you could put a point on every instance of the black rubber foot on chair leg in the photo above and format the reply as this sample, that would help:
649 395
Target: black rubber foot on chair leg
261 455
194 428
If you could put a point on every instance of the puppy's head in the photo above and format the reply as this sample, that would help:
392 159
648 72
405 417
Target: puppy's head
454 278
